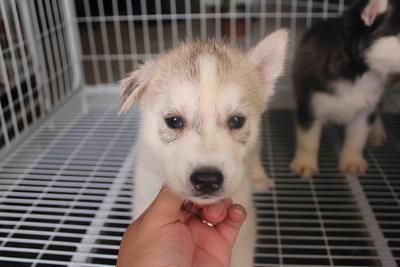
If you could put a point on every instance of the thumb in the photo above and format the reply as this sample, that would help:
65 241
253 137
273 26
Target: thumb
229 228
166 207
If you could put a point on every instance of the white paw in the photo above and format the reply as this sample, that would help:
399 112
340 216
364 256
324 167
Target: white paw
260 180
262 183
352 163
377 137
305 166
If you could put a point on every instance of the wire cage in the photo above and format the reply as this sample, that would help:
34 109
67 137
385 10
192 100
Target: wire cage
66 155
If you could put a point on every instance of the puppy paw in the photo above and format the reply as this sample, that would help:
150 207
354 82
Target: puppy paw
304 166
377 137
353 163
262 183
260 180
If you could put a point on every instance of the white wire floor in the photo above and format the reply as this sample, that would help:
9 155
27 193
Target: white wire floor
65 195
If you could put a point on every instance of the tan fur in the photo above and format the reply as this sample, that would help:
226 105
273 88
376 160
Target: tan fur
182 64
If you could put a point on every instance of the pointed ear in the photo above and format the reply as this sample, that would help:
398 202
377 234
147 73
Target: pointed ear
373 9
269 56
132 88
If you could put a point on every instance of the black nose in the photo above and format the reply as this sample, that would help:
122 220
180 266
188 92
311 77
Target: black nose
206 181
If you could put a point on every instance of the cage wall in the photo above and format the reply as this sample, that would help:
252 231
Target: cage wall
66 162
40 46
36 63
118 35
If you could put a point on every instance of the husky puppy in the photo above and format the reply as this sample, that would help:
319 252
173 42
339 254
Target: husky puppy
339 74
201 106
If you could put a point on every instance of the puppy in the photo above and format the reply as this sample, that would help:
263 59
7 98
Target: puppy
201 106
339 73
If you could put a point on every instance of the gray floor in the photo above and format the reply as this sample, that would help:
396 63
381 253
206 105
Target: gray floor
65 195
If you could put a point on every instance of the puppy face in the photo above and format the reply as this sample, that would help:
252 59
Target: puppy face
201 105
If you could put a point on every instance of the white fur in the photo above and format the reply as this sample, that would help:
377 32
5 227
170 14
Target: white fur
208 101
173 163
384 56
349 99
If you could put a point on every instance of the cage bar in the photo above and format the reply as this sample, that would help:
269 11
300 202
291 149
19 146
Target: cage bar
67 156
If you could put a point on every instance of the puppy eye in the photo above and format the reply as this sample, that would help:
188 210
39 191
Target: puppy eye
174 122
237 121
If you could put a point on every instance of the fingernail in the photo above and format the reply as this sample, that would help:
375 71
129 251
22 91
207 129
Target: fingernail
237 209
216 209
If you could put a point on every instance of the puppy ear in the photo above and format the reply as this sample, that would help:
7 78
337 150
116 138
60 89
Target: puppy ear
373 9
269 56
132 88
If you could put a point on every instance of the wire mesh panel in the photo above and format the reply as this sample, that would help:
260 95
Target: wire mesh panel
320 222
65 191
62 200
35 63
382 185
65 195
119 34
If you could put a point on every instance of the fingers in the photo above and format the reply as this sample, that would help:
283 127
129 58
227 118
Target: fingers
216 213
229 228
166 207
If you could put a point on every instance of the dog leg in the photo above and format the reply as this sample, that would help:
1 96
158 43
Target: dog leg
144 192
305 162
351 158
377 134
243 250
261 181
147 183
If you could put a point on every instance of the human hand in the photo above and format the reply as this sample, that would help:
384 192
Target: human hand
167 235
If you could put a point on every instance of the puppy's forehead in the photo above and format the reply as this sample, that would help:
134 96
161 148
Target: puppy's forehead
203 73
194 61
208 81
208 88
207 68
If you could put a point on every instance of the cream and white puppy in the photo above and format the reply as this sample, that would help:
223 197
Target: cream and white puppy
201 105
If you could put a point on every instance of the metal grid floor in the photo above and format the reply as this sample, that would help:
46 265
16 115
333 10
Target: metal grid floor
65 195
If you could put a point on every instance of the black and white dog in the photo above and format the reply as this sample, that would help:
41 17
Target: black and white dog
339 74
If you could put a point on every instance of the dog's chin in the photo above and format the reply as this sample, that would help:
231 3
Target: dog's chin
204 200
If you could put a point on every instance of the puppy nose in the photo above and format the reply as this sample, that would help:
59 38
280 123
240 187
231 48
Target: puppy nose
207 181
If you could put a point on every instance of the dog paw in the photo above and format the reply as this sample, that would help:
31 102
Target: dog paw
262 184
260 180
377 137
353 163
304 166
